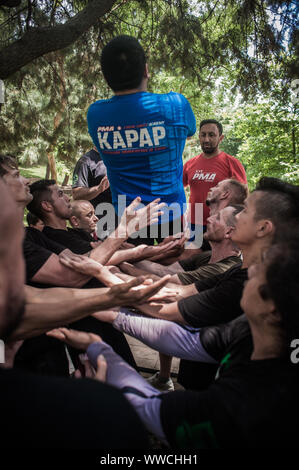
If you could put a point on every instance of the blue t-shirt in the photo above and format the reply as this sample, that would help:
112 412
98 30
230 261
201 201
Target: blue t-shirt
141 138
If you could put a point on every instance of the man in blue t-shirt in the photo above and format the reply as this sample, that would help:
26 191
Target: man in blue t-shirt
140 135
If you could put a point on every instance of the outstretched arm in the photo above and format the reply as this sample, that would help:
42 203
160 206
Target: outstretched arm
131 221
164 336
50 308
142 396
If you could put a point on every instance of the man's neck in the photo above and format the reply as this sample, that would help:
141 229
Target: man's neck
142 87
56 223
253 254
211 155
218 205
268 342
222 250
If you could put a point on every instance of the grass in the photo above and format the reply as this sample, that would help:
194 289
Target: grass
33 172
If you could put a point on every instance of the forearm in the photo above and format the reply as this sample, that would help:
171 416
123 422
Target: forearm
86 193
142 396
164 311
134 271
104 252
159 269
164 336
123 255
49 308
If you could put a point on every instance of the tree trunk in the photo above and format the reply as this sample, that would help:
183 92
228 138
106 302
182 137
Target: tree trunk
52 166
59 115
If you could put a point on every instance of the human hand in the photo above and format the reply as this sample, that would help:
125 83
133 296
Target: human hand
134 220
86 370
135 291
166 294
146 251
171 253
104 184
77 339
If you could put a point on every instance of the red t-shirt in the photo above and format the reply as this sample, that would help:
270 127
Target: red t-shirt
201 174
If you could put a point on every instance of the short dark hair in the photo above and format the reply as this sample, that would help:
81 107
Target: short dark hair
123 63
282 279
212 121
7 160
32 219
239 190
280 202
231 220
40 192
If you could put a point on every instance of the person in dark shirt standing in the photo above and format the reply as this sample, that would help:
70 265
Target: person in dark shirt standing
90 183
90 180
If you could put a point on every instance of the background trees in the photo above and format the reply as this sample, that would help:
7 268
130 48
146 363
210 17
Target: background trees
234 60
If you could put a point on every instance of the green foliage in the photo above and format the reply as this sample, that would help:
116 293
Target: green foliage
216 53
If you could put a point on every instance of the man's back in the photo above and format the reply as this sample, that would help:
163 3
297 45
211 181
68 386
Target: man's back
141 137
42 412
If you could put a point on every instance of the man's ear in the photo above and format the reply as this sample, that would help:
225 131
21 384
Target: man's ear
274 317
228 231
224 194
265 227
46 206
221 138
74 221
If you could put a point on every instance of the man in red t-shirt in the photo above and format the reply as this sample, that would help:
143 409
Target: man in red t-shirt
206 170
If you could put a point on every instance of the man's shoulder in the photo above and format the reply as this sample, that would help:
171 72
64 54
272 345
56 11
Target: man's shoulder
228 157
193 161
90 156
34 235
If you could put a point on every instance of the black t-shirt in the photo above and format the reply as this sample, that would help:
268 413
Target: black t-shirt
253 404
217 301
83 234
53 413
46 355
233 338
37 248
89 171
69 238
195 261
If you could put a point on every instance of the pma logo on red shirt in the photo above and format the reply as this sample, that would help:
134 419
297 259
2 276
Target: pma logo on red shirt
202 176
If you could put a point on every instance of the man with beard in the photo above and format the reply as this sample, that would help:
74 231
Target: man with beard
206 170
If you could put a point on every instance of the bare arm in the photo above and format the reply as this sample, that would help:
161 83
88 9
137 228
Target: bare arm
90 193
48 308
159 269
54 273
131 221
168 312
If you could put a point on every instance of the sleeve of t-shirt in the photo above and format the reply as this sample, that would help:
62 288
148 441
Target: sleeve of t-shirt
80 175
80 247
35 257
69 240
217 304
185 174
190 119
237 170
218 338
200 273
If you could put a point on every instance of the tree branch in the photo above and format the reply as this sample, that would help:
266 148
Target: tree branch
39 41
